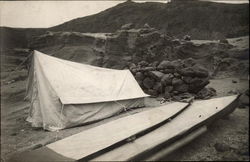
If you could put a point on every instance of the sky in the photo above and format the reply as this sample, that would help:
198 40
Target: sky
43 14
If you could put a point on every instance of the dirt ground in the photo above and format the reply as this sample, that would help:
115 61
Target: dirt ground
230 133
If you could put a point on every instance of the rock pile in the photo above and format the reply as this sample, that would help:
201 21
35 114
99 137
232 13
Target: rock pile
182 78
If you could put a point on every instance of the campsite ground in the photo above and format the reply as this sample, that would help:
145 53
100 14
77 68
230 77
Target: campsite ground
226 139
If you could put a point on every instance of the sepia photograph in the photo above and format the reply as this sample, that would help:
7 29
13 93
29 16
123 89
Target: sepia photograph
124 80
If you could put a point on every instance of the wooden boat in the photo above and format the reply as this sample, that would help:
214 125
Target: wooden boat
148 135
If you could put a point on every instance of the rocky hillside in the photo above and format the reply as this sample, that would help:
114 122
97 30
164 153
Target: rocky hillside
201 20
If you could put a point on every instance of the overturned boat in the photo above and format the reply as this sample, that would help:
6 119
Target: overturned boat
148 135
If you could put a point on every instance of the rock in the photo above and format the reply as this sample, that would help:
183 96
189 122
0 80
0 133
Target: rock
169 89
176 42
132 66
247 92
143 63
165 65
148 82
199 81
139 76
200 72
234 81
224 41
177 64
156 75
177 75
189 62
152 92
127 26
187 79
206 93
177 81
167 95
233 92
168 71
155 63
197 84
221 147
36 146
133 71
167 79
187 38
175 92
181 88
244 101
158 87
147 69
146 26
186 95
188 71
177 98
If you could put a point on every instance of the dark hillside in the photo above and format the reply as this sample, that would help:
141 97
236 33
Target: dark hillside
201 20
17 37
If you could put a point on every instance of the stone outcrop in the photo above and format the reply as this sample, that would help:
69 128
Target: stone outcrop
177 79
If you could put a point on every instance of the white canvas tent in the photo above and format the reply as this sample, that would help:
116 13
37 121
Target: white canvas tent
65 94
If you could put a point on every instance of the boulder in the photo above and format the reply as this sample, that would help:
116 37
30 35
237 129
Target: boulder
177 75
181 88
132 66
157 75
133 71
168 71
176 98
187 79
188 71
148 83
167 79
194 71
185 95
199 81
177 81
158 87
152 92
169 89
247 92
176 92
206 93
244 101
200 72
166 65
198 84
147 69
155 63
167 95
139 76
177 63
189 62
143 63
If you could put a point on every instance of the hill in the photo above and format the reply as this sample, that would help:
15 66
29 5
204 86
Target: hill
201 20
